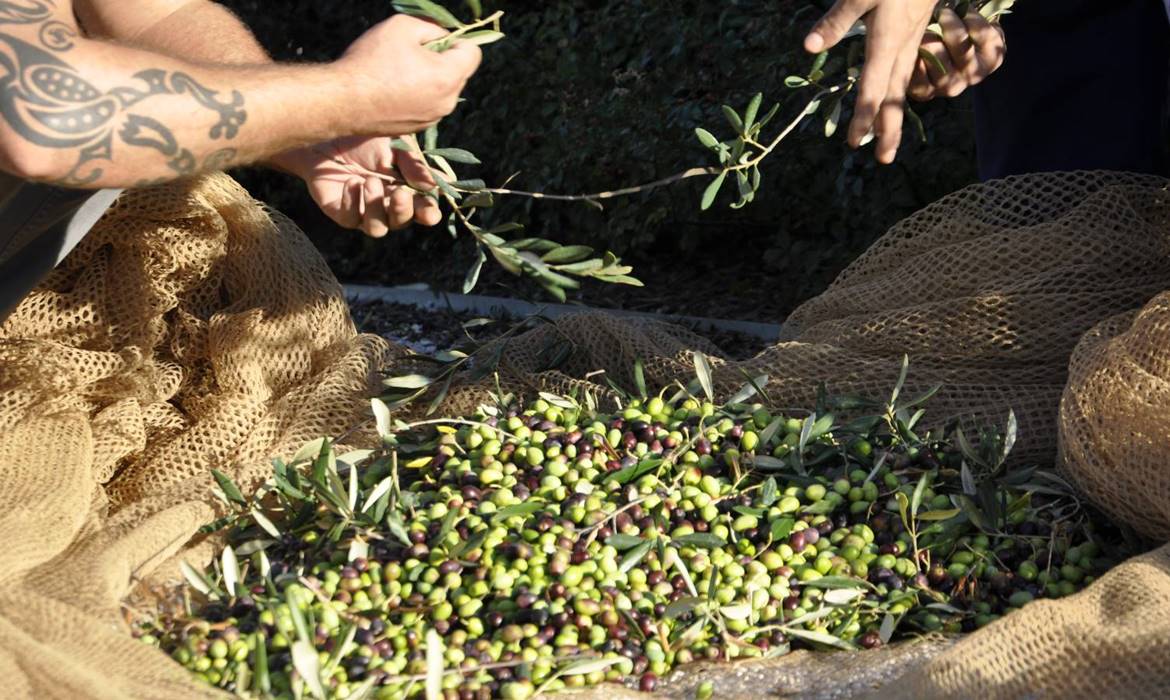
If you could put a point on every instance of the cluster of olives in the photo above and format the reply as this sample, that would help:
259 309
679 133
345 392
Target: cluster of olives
553 548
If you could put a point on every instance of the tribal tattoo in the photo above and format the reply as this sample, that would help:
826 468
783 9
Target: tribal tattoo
48 102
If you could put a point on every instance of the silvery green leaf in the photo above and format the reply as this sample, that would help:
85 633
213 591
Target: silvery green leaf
681 607
706 138
355 457
455 155
749 390
674 560
842 596
430 10
435 652
394 522
830 582
770 432
967 479
266 524
482 37
733 119
753 108
634 556
712 191
358 549
818 638
472 277
381 417
353 488
229 488
250 547
771 492
703 540
308 666
889 624
703 372
740 611
933 515
410 381
994 9
567 254
292 600
919 489
1009 438
587 666
819 62
381 489
622 542
197 579
767 462
833 119
309 451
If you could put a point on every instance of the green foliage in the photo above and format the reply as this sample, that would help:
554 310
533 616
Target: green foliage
588 96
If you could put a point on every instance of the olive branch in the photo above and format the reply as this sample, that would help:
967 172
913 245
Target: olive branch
557 267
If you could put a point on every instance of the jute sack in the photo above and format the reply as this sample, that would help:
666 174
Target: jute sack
194 329
989 291
191 329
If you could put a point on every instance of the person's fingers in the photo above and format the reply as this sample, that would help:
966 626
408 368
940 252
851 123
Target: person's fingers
990 47
420 30
400 207
888 127
941 72
921 86
942 68
463 57
373 209
836 23
427 211
414 169
347 213
957 40
881 54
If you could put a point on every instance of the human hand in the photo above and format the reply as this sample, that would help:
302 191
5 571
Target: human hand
400 86
894 31
970 49
364 183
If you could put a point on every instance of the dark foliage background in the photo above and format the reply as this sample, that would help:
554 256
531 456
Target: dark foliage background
588 95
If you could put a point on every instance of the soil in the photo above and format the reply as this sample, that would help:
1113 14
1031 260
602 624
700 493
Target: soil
427 332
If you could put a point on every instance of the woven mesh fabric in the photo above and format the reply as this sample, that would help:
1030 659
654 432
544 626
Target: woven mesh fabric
191 329
196 329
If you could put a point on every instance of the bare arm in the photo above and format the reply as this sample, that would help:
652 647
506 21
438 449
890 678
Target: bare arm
205 31
202 31
89 113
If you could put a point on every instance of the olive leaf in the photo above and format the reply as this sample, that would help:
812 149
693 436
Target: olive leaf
434 660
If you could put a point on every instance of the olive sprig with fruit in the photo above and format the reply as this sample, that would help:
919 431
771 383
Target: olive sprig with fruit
558 545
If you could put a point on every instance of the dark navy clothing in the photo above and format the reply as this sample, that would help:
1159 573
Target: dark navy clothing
39 225
1084 86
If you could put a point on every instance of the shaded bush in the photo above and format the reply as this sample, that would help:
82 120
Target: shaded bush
589 95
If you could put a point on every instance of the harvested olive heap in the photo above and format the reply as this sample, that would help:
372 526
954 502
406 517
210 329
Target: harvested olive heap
517 551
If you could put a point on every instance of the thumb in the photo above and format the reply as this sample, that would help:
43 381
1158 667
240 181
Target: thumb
836 23
421 31
464 57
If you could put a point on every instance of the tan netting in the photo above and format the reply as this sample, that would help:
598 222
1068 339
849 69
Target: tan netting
191 329
194 329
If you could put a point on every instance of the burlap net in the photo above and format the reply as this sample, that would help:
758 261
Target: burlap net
195 329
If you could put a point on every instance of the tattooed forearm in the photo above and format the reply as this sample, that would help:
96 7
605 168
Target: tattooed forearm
52 104
26 12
